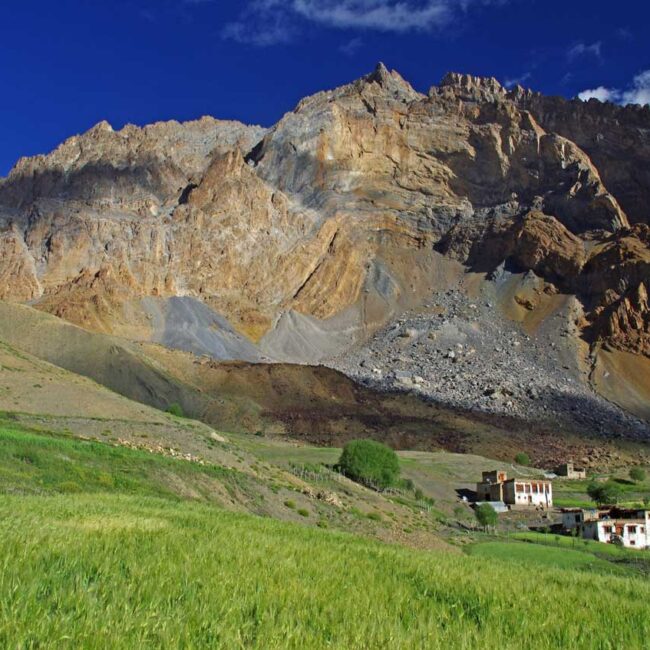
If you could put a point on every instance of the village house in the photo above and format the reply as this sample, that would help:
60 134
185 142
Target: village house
629 527
495 486
568 470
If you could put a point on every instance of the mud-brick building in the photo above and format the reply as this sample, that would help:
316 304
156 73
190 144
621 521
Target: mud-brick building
570 471
496 486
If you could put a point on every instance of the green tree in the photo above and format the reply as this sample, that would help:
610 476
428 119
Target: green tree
486 515
370 463
176 409
637 474
522 458
604 493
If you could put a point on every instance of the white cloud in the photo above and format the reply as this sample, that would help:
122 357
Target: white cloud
637 93
265 22
262 23
351 47
583 49
516 81
601 93
381 15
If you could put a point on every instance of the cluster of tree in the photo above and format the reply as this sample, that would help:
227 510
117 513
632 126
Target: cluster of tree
486 515
522 458
611 491
370 463
637 474
608 493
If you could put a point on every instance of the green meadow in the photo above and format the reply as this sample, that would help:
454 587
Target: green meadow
111 563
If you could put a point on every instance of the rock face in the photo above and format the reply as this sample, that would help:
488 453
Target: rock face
363 201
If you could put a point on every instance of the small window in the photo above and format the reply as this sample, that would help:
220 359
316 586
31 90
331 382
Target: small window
632 530
632 542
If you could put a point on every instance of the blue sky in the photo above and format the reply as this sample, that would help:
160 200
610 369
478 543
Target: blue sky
70 63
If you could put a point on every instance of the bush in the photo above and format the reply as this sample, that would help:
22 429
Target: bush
406 484
637 474
370 463
290 504
176 409
486 515
605 493
303 512
460 511
522 458
69 487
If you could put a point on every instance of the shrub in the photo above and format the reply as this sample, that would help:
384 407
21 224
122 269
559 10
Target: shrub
486 515
604 493
303 512
290 504
375 516
69 487
370 463
176 409
637 474
105 480
522 458
419 495
407 484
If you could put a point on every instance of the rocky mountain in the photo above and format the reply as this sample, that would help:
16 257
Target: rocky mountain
366 213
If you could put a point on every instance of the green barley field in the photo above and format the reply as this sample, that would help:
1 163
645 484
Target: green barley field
112 567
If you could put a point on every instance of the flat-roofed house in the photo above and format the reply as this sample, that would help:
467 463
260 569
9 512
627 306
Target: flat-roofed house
570 471
495 486
629 527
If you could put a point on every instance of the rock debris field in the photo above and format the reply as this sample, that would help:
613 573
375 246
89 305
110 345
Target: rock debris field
459 351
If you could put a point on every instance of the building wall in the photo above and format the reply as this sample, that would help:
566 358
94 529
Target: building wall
633 533
527 493
572 519
568 470
489 491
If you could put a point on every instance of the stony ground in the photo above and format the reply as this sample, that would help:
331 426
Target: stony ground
461 351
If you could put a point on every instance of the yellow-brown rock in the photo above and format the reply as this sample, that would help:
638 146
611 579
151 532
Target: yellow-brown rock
336 213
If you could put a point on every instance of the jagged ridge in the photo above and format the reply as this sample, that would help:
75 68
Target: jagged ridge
313 234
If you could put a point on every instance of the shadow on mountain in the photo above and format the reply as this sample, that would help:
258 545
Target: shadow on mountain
149 177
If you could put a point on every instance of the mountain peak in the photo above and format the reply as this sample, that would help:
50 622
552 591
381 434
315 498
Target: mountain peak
391 81
380 74
472 87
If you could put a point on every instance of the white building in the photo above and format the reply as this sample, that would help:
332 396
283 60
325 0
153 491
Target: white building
495 486
624 526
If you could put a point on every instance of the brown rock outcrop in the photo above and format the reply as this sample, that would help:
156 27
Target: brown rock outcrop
336 210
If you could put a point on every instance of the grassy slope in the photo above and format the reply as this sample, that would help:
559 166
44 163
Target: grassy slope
313 404
36 464
114 566
573 494
122 572
540 555
611 551
37 461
